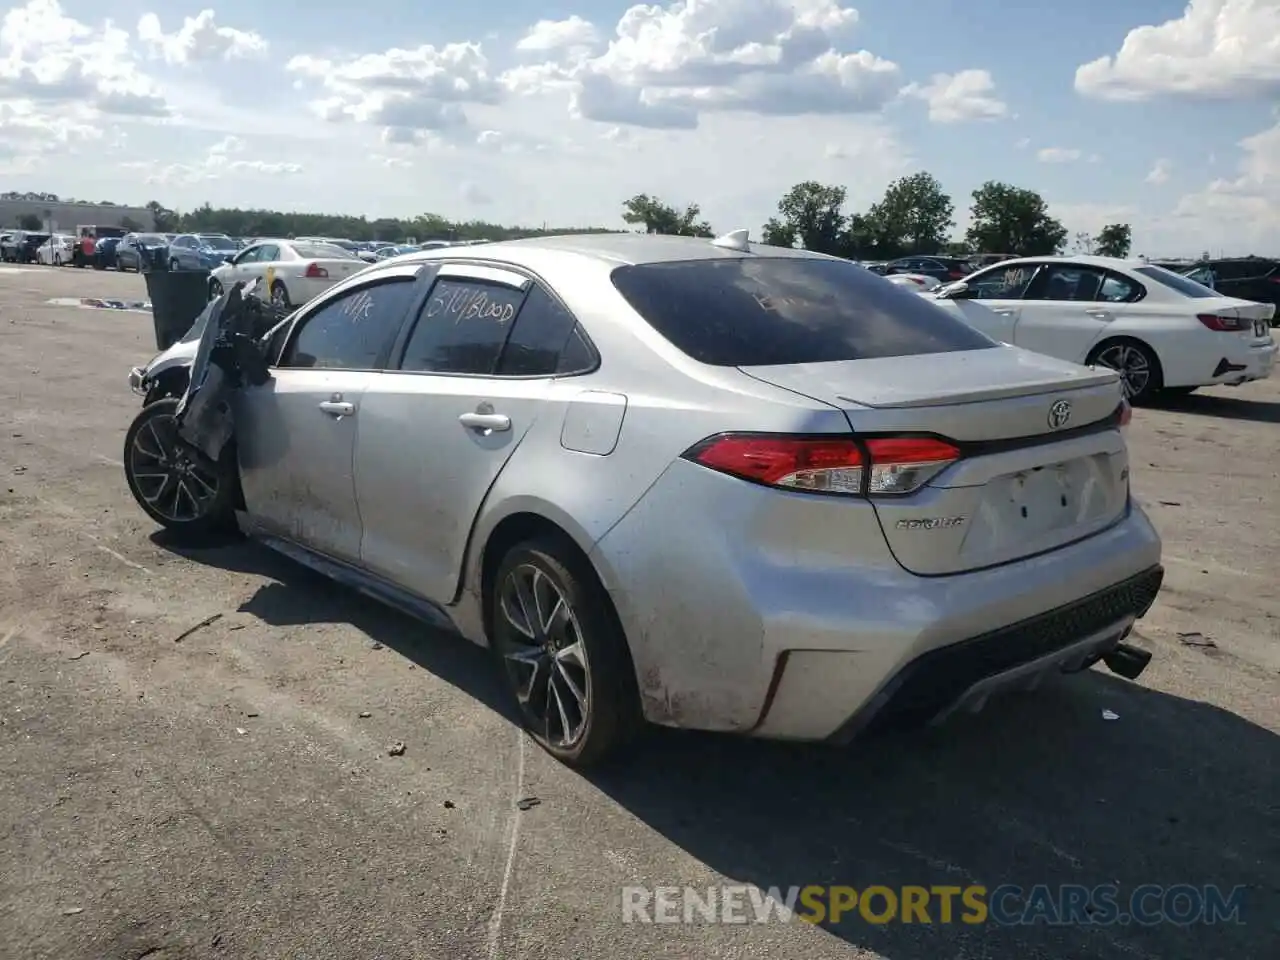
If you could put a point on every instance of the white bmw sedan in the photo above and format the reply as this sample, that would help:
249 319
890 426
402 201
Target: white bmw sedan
1160 331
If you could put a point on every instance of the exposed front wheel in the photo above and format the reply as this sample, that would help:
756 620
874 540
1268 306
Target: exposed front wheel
1137 365
563 654
215 289
173 266
176 485
279 296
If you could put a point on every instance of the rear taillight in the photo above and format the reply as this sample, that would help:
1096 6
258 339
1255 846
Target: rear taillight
883 466
956 274
316 272
1126 413
1224 324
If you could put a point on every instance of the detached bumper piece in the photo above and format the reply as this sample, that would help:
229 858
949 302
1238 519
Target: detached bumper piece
962 675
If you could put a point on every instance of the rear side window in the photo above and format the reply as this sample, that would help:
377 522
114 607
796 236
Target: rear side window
537 345
1183 285
777 310
352 331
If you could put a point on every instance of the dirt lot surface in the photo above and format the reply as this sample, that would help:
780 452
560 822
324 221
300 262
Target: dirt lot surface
229 793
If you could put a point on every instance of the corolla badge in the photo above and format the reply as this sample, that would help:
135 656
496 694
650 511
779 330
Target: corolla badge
1059 414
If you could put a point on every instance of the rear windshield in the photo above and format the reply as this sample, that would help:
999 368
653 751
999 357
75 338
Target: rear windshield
1174 281
321 251
219 243
776 310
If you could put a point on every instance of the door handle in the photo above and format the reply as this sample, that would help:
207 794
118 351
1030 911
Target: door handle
1004 313
337 408
485 422
1099 314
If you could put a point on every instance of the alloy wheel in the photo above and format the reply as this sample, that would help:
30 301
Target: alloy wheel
178 483
544 655
1132 365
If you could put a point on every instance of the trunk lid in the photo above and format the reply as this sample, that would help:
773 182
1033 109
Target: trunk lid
1026 481
337 268
1259 315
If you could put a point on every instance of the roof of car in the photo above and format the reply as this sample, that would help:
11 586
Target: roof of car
617 248
1115 263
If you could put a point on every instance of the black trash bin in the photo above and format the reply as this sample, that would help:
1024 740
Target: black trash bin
177 298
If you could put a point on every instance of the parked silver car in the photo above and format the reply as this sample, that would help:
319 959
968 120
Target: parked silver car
702 483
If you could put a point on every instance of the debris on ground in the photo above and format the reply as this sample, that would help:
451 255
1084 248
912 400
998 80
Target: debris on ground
365 714
1196 639
252 715
72 911
241 730
199 626
396 749
449 804
527 803
79 656
375 645
1170 503
1110 715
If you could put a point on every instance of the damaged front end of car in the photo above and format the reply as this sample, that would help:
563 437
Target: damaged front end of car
225 348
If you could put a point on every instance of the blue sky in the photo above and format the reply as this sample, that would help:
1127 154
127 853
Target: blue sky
721 102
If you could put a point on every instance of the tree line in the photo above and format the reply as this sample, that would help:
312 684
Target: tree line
915 216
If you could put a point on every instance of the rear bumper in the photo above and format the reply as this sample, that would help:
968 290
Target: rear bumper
783 616
1256 363
962 675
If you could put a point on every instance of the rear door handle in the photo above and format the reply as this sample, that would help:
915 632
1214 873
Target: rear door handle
1004 313
337 408
486 422
1099 314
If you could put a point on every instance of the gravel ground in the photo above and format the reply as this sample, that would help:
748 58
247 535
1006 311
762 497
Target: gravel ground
228 793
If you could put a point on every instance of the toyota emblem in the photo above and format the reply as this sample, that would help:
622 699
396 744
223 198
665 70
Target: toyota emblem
1059 414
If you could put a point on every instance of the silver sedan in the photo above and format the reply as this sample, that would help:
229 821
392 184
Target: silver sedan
703 484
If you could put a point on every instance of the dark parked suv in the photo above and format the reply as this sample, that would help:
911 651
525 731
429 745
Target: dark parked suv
1247 278
21 246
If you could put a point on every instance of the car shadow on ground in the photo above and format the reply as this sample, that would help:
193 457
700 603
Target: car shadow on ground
1226 408
296 595
1037 789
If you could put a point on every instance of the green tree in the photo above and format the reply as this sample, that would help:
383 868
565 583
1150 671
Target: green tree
29 221
658 217
130 224
162 218
1009 219
778 234
813 214
915 215
1114 240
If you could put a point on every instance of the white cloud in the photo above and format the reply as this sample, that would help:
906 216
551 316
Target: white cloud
69 69
1241 210
1160 172
473 195
412 94
549 36
1058 155
1216 49
219 161
667 65
199 40
960 97
1023 143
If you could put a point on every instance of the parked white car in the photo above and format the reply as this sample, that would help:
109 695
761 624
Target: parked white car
55 251
1160 331
299 270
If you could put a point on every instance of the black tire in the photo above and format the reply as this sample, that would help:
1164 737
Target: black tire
612 717
153 431
280 295
173 266
1112 354
1176 393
